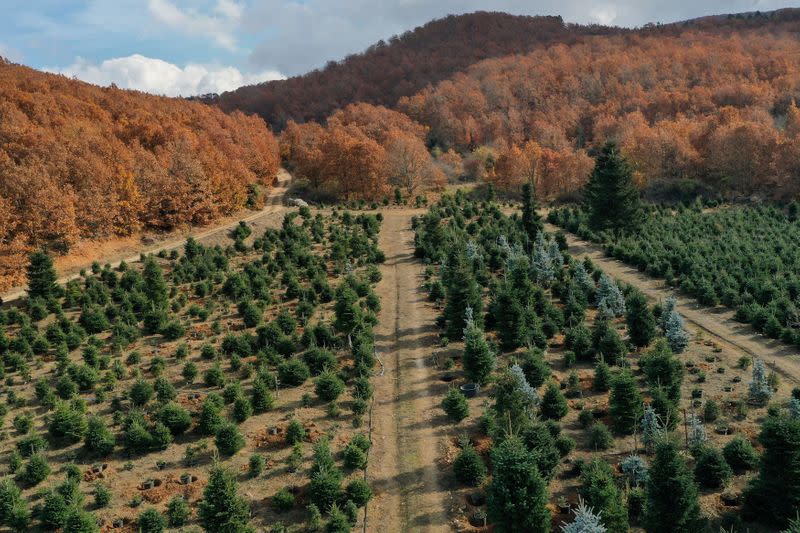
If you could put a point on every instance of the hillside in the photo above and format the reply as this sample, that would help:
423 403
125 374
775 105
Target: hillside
82 162
402 66
733 82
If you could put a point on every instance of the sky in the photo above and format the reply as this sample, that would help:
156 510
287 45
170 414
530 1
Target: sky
189 47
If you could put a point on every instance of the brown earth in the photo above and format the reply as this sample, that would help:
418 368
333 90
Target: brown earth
409 432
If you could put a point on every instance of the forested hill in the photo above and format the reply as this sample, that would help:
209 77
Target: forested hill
82 162
403 65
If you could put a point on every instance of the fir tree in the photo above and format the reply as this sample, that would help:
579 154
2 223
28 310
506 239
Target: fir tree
794 408
585 521
478 358
663 369
99 441
612 200
640 320
535 368
462 292
774 496
599 490
672 505
652 427
602 377
516 498
710 469
625 403
155 288
759 389
676 334
531 221
544 271
696 431
610 301
635 469
513 402
41 276
221 508
554 405
509 318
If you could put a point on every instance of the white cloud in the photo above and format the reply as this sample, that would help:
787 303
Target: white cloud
160 77
604 14
220 27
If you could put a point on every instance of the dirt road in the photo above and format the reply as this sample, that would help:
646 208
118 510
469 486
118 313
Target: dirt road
407 427
217 234
717 323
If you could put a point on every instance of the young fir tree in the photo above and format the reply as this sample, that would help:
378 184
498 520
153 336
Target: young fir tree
554 405
710 469
531 221
663 369
221 508
599 490
625 403
640 320
509 318
41 276
462 292
759 389
478 357
155 288
609 298
774 496
586 521
612 199
675 333
516 499
672 505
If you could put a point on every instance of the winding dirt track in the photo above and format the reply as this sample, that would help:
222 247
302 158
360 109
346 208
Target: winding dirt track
406 432
217 234
717 322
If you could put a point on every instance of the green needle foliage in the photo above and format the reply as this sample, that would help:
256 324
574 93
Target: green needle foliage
516 499
672 505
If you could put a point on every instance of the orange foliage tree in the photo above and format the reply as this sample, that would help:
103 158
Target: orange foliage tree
83 162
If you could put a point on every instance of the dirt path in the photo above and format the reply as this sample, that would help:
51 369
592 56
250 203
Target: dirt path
130 249
717 323
406 421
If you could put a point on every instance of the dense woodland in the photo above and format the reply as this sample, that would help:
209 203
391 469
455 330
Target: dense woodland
539 115
78 161
402 66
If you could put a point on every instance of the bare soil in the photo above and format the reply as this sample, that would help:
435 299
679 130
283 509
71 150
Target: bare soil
409 432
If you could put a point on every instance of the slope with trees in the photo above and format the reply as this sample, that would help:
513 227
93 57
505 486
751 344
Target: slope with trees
82 162
402 66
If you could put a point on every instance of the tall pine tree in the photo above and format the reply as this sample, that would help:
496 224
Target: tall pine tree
221 508
154 285
640 320
612 199
600 491
531 221
41 276
672 505
517 496
625 403
774 496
